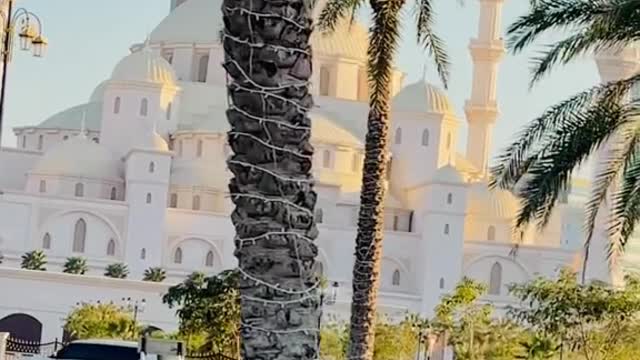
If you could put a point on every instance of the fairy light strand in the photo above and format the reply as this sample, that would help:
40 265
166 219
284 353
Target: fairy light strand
267 94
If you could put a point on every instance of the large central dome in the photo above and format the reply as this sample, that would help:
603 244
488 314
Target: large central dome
200 22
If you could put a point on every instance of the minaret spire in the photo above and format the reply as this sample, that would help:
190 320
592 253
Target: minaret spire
481 109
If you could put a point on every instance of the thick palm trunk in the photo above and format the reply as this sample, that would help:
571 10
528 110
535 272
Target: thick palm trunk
383 41
268 60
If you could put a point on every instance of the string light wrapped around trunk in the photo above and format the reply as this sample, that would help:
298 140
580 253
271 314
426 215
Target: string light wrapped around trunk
268 63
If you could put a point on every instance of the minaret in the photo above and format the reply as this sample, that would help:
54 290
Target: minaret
612 65
482 108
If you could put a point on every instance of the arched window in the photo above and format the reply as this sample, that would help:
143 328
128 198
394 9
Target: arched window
396 221
203 68
40 142
355 162
491 233
449 198
143 253
446 229
495 279
425 137
177 256
448 141
148 198
325 79
43 186
152 167
179 147
398 136
46 241
395 281
173 201
79 190
96 140
168 115
326 159
196 203
144 107
319 216
116 105
24 141
79 236
441 283
199 149
111 248
209 260
114 193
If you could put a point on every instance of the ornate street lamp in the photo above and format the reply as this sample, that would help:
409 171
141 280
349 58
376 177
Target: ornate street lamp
30 38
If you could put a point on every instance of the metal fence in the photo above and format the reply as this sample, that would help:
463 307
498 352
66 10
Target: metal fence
23 349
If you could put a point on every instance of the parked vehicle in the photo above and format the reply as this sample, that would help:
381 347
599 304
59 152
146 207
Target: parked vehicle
108 350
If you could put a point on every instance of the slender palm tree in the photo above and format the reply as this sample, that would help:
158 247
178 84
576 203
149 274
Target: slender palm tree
539 163
34 260
75 265
384 36
154 274
117 271
268 63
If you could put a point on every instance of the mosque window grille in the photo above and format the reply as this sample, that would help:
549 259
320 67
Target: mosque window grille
203 68
116 105
325 80
144 107
40 142
195 203
114 193
111 248
79 236
79 190
447 229
395 280
209 259
152 167
495 279
46 241
149 198
425 137
398 136
143 254
177 256
173 201
491 233
449 198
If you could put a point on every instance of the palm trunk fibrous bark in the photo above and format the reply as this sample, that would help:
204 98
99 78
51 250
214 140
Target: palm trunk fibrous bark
268 62
383 41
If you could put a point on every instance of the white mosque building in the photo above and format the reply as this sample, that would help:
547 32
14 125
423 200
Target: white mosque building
137 175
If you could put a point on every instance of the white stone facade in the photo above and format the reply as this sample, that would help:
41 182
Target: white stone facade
137 175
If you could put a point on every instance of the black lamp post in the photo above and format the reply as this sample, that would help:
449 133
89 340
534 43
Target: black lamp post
30 39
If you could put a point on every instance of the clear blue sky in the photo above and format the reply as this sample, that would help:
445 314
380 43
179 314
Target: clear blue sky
88 37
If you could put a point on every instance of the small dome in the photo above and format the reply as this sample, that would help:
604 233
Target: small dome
98 93
144 66
447 174
79 157
200 22
491 203
200 175
422 97
326 130
71 118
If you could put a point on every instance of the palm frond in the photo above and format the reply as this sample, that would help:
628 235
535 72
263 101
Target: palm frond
560 153
515 161
336 10
625 207
545 15
384 36
430 40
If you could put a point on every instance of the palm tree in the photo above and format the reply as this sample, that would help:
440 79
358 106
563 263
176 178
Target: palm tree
539 164
117 270
155 274
34 260
268 62
384 36
75 265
